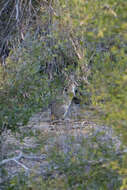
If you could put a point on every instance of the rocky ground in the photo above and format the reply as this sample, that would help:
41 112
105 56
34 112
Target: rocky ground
29 149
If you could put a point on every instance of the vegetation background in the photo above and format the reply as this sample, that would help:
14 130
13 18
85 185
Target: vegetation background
50 40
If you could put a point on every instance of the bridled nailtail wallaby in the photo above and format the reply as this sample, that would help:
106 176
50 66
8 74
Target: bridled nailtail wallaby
60 106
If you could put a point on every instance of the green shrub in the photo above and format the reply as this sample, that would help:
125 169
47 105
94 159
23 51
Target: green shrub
23 91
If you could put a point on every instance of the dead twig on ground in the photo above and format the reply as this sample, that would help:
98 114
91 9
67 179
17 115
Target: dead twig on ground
21 155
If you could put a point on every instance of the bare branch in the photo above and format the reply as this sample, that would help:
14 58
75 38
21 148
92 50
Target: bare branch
21 155
11 159
21 164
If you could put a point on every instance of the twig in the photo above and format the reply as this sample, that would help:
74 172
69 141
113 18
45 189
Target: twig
11 159
21 155
60 122
42 157
26 168
15 159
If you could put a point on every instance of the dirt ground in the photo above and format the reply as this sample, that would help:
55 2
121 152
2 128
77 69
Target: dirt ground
28 149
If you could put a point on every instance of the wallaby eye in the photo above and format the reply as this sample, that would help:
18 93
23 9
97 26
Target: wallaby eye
66 89
76 91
